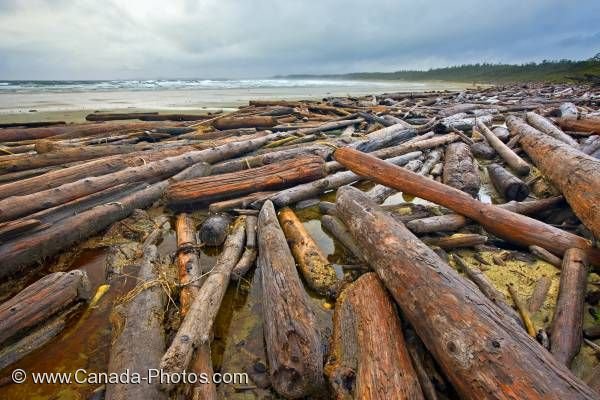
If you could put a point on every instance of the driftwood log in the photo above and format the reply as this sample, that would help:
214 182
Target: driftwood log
506 184
567 324
292 338
577 175
460 169
501 222
480 349
512 159
368 358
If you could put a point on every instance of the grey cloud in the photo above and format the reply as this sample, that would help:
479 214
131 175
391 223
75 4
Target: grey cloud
87 39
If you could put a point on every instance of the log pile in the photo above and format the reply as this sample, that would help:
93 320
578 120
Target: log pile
389 246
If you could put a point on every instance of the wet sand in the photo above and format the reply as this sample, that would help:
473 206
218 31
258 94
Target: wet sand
28 106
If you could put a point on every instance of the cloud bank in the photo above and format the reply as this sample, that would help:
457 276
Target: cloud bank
129 39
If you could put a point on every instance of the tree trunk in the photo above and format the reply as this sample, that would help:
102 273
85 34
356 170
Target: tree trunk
590 124
272 176
567 324
543 125
214 229
368 358
249 257
545 255
460 169
341 233
540 291
502 223
506 184
196 328
188 262
27 250
575 174
458 240
481 350
317 271
453 222
240 202
138 338
252 121
292 338
512 159
40 301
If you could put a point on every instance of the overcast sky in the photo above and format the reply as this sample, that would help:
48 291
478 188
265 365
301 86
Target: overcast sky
128 39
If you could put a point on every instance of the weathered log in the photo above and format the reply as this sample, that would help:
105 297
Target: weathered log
214 229
240 202
590 145
453 222
248 258
512 159
433 158
316 187
317 271
486 287
461 122
545 255
567 324
501 222
568 110
116 116
292 338
337 228
31 124
369 359
589 124
538 296
196 328
42 300
501 133
523 310
18 206
460 169
138 338
381 192
252 121
481 350
575 174
543 125
458 240
506 184
483 150
188 262
272 176
420 359
27 250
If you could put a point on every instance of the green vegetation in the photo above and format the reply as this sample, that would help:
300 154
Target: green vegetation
546 71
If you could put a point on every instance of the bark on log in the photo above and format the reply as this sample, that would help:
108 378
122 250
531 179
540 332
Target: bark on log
25 251
502 223
512 159
576 175
292 338
567 324
42 300
453 222
214 229
138 338
369 358
196 328
188 262
542 124
249 256
272 176
253 121
460 169
480 349
589 124
506 184
317 271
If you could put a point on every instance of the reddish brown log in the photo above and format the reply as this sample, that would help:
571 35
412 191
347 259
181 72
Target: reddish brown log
574 173
589 124
41 300
368 358
503 223
244 122
480 349
272 176
567 324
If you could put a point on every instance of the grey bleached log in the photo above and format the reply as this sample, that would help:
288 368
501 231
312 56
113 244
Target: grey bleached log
544 125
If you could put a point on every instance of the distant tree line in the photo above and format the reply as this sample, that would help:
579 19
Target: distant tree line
547 70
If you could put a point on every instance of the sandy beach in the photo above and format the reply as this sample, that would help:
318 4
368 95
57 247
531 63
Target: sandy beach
72 104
